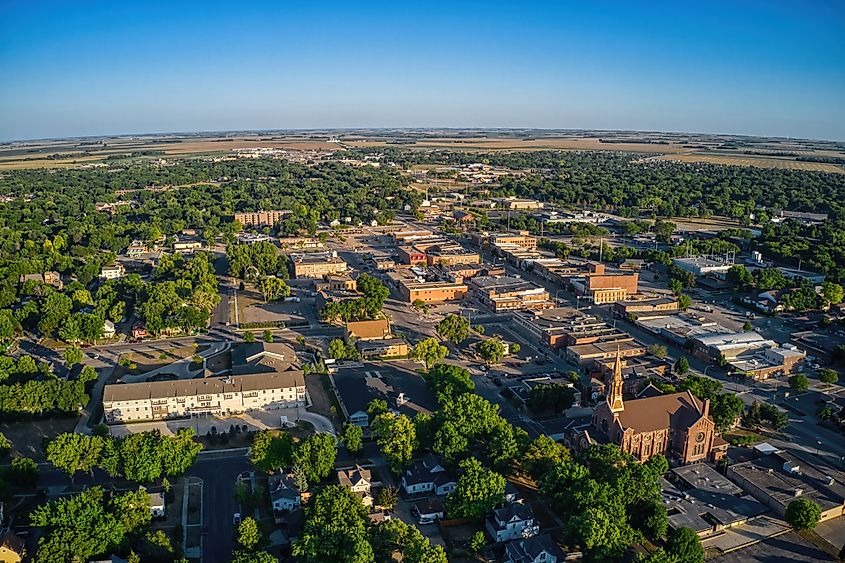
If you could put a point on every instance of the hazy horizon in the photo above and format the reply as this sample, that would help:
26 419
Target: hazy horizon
772 69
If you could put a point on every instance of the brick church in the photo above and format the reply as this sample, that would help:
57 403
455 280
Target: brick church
676 425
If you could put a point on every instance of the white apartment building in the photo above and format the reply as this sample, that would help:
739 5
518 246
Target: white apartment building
160 400
112 272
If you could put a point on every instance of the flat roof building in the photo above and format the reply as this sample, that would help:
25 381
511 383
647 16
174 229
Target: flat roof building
261 218
317 265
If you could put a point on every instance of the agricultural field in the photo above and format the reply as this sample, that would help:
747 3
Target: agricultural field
751 160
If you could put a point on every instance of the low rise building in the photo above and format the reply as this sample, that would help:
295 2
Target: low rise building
285 496
583 354
367 330
705 265
112 272
381 349
427 476
506 293
760 364
536 549
261 218
645 307
513 521
780 477
411 256
318 265
431 291
359 481
301 243
186 245
49 278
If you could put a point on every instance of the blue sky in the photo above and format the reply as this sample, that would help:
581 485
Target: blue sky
88 68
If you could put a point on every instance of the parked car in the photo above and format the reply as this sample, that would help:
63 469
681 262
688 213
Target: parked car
236 518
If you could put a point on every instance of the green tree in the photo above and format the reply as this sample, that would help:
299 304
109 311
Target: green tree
5 444
682 365
247 556
828 376
650 517
396 437
429 352
514 348
802 514
832 292
447 381
685 545
541 454
387 497
477 491
249 336
375 408
249 534
72 356
684 302
273 288
315 456
799 382
87 375
335 529
491 350
271 450
394 536
454 328
268 336
477 542
658 350
351 437
726 410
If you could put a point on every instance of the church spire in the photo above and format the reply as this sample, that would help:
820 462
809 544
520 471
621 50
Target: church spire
614 395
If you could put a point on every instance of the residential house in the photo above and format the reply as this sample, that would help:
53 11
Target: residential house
112 272
536 549
284 494
157 505
428 510
359 481
427 476
512 521
108 329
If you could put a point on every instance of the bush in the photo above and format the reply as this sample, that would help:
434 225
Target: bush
802 514
828 376
799 382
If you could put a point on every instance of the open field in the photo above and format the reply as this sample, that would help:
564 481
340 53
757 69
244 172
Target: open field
552 143
750 160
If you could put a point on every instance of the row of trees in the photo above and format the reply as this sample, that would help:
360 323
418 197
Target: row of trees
142 457
312 458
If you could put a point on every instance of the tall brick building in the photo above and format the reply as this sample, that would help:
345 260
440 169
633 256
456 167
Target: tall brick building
676 425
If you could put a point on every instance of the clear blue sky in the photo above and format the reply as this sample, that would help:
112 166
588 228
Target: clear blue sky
748 67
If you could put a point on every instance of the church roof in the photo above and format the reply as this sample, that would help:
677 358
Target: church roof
676 410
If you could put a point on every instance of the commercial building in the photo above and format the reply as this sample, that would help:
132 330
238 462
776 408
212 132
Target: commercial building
583 354
518 204
677 424
261 218
385 348
301 243
780 477
411 256
566 326
521 239
186 245
760 364
705 265
449 254
645 307
431 291
410 235
367 330
601 287
317 265
507 293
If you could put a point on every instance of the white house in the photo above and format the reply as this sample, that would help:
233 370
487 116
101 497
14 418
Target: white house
108 329
284 494
156 504
428 476
359 481
513 521
537 549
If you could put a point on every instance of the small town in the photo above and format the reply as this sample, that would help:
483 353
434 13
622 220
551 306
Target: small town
440 282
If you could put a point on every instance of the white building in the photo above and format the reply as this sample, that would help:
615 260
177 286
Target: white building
513 521
161 400
112 272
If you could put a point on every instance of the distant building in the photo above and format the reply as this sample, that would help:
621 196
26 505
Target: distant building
386 348
317 265
367 330
186 246
112 272
261 218
644 307
506 293
49 278
704 265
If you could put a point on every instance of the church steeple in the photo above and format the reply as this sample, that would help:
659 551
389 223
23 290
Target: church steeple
614 395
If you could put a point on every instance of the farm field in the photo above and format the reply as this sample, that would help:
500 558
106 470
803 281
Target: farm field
749 160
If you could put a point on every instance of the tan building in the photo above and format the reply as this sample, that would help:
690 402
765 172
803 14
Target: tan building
162 400
304 243
367 330
112 272
675 425
186 246
49 278
522 239
506 293
387 348
431 292
12 548
317 265
341 283
261 218
645 306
